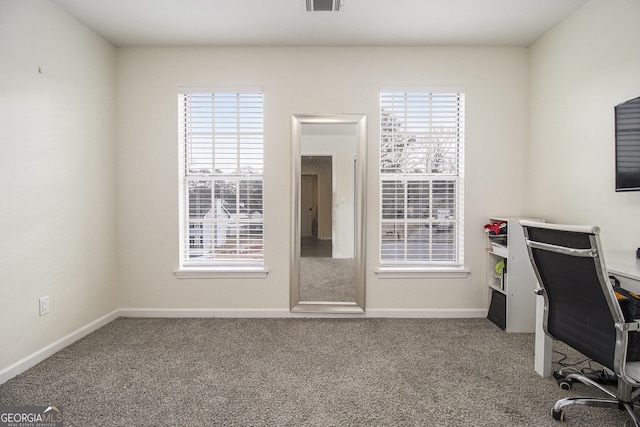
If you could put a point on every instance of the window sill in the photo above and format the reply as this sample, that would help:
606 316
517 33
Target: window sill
221 273
424 272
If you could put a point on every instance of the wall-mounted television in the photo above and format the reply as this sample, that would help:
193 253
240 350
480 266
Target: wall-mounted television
627 117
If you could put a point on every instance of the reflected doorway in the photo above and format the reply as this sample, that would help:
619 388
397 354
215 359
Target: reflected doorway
309 204
316 198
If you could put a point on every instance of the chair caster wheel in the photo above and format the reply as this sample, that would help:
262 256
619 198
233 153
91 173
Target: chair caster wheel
564 384
557 415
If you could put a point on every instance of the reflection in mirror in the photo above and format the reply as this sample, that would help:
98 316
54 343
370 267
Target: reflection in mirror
327 257
327 270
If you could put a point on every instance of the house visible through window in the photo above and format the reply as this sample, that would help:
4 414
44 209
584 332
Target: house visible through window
421 178
221 140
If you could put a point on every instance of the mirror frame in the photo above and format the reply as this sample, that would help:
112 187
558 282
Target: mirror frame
360 122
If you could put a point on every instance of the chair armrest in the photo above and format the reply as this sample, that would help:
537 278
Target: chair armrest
629 326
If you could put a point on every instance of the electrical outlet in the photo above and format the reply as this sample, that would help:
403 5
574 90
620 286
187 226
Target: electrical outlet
44 306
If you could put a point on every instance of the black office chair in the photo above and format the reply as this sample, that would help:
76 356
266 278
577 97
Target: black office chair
581 309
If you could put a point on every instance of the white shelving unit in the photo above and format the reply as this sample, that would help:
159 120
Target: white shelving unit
511 298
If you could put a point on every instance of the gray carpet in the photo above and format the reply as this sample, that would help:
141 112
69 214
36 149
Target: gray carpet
327 279
299 372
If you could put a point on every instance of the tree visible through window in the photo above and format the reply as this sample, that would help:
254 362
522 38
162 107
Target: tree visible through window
221 137
421 178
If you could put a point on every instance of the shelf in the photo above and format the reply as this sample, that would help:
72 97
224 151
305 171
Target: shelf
497 288
510 300
500 251
497 254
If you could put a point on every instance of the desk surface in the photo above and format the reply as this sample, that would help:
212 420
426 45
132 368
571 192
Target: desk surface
623 263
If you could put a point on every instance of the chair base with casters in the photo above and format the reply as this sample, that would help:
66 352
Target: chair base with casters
582 310
605 377
622 400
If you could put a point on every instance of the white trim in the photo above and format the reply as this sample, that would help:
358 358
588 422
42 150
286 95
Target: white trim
222 273
435 90
205 312
189 90
33 359
184 313
422 273
257 313
433 313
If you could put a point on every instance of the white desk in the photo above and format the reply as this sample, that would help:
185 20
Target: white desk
624 265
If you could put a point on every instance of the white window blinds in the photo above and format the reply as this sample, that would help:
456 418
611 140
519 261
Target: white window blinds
421 177
221 139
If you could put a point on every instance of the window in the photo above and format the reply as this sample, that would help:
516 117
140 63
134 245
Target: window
421 178
221 143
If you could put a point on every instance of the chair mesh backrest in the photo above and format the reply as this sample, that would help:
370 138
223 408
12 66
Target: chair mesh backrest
578 312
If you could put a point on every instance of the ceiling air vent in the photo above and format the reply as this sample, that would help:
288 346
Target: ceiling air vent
323 5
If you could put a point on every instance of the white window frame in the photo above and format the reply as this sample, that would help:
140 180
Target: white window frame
424 133
245 258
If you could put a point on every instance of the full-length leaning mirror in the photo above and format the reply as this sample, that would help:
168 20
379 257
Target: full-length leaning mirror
327 259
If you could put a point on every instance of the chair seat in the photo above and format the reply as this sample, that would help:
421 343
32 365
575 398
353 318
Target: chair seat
633 370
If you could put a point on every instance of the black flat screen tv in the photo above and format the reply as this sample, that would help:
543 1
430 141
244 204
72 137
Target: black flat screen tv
627 116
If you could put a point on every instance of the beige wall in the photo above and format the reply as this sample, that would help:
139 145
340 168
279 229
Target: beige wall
308 80
57 190
579 71
89 157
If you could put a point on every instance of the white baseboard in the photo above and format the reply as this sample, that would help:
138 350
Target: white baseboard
202 312
33 359
427 313
285 313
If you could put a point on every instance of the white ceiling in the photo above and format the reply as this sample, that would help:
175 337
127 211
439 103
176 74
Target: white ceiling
286 22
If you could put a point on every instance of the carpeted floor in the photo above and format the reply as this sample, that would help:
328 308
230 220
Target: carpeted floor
299 372
327 279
